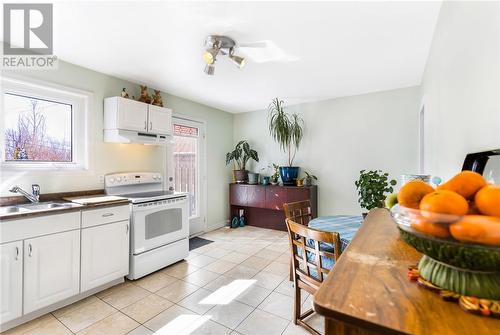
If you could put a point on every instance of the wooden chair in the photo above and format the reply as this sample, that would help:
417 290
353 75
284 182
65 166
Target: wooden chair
299 212
309 274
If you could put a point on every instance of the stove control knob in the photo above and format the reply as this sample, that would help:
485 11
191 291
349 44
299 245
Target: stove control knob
118 179
158 177
111 180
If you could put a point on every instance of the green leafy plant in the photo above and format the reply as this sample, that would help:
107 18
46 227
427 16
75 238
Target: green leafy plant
310 176
372 188
275 176
285 128
241 154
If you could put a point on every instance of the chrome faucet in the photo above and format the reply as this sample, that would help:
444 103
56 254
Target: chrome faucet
34 197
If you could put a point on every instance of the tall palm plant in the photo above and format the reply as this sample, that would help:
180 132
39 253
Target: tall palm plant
286 129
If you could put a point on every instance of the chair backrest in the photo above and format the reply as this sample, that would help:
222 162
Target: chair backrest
299 211
298 235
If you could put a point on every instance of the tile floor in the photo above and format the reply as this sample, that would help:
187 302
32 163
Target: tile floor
235 285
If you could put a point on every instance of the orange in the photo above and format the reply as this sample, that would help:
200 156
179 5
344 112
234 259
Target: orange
466 183
412 192
477 229
488 200
434 229
443 202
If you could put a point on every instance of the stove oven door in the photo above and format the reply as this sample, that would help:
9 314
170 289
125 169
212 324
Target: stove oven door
158 223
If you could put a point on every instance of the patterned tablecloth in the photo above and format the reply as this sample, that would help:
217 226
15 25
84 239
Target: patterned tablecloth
345 225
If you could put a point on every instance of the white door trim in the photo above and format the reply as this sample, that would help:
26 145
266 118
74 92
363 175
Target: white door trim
421 134
203 199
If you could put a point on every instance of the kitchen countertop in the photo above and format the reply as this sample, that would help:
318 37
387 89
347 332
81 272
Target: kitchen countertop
368 292
59 198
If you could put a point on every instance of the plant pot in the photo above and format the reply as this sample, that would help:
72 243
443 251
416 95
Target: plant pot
253 178
307 181
289 174
240 176
265 180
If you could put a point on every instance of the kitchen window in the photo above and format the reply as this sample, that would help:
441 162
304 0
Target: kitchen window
43 126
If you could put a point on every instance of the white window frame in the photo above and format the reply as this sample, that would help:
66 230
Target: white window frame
80 102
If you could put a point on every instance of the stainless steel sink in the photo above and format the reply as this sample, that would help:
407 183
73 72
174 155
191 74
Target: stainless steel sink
11 210
35 207
46 206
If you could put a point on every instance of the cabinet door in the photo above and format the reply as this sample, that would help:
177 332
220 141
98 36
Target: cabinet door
238 194
11 281
297 194
132 115
51 269
160 120
105 254
256 196
275 197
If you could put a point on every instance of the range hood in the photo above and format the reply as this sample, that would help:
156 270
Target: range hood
130 136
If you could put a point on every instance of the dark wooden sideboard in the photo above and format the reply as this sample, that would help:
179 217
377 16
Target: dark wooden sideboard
263 205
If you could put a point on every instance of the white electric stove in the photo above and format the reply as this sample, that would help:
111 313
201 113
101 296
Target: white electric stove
159 221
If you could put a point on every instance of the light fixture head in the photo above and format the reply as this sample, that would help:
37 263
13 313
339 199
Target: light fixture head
210 69
210 55
237 60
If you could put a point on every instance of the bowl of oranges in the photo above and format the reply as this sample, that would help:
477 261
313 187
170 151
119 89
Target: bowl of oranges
457 227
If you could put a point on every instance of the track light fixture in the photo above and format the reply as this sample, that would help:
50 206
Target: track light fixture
220 45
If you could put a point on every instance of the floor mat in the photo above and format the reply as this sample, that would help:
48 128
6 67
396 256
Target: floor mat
197 242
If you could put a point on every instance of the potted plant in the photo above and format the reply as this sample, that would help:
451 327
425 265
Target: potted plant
276 175
309 178
372 188
287 130
240 155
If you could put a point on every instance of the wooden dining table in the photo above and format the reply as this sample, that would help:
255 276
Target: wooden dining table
368 291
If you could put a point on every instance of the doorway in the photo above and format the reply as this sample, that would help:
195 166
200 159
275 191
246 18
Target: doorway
186 168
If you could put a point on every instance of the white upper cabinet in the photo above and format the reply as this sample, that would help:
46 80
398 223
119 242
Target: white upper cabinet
11 281
105 254
51 269
160 120
127 114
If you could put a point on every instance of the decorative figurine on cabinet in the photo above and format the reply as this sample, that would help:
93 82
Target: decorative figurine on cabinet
144 95
124 93
157 101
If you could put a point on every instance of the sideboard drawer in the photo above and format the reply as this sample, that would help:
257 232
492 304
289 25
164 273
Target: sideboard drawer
95 217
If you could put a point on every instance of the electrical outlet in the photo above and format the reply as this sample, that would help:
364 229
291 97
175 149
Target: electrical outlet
101 179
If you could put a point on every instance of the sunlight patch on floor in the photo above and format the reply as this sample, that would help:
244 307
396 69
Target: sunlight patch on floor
228 293
183 325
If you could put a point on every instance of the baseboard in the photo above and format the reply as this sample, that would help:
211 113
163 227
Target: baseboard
217 225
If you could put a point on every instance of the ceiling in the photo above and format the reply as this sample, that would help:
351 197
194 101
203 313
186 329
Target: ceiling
321 50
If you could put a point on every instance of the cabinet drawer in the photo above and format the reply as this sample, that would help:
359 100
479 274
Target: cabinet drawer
100 216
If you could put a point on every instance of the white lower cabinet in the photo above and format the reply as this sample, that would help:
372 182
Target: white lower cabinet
11 281
105 254
51 269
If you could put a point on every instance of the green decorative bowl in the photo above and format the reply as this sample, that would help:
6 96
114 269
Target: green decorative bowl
465 268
